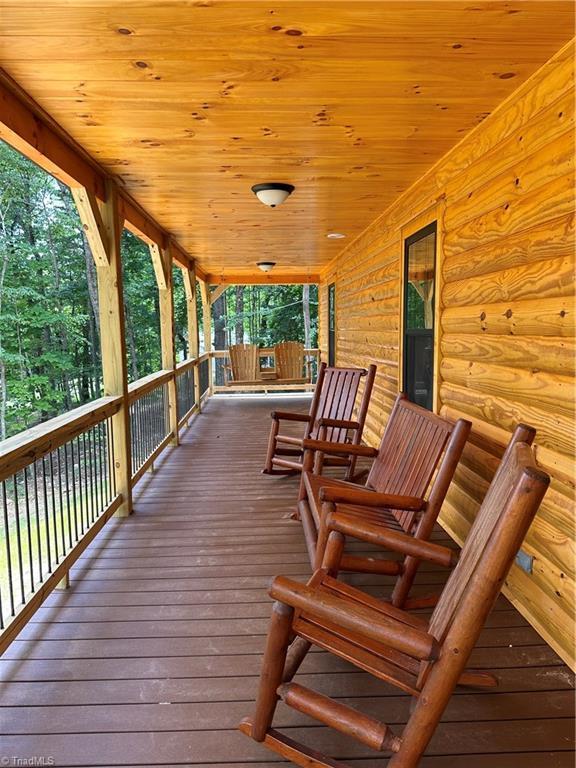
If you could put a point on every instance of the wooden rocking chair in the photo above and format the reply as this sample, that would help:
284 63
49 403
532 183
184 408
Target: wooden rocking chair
400 494
244 364
289 360
426 659
329 419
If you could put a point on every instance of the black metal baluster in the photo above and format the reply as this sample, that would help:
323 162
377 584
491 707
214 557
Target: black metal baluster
54 514
61 503
113 455
67 484
8 549
46 514
90 463
18 537
37 511
74 496
28 528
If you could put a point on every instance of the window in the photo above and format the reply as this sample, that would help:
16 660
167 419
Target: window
332 324
419 282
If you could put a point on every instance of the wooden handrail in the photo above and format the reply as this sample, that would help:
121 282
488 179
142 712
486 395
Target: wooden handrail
186 365
146 384
27 447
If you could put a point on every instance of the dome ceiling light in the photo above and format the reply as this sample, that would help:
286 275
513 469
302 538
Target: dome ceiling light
335 236
266 266
272 193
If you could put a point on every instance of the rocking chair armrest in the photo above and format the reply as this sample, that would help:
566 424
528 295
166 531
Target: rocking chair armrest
368 498
356 618
339 448
341 423
403 543
287 416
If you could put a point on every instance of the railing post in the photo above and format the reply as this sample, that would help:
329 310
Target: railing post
207 322
103 227
162 261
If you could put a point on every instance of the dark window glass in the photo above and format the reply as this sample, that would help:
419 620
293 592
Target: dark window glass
419 282
332 324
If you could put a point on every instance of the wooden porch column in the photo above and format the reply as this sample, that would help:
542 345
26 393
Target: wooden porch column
189 277
162 261
207 322
103 227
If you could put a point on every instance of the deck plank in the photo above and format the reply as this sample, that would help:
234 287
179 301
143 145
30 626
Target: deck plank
152 656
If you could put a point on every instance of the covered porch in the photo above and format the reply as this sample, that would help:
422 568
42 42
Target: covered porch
152 656
429 147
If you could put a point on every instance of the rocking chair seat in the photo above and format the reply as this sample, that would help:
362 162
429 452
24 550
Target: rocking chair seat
312 504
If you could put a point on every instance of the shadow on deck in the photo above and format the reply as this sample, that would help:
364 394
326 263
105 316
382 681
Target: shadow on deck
152 656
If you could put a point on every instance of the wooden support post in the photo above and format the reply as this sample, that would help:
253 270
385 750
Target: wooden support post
103 227
189 277
207 321
162 261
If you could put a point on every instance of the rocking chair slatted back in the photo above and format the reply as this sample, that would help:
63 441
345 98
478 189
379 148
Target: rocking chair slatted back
289 357
503 496
245 361
412 445
337 399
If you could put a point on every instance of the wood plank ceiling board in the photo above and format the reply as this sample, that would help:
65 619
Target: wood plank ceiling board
190 103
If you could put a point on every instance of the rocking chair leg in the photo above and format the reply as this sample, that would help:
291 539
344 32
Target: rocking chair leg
272 668
296 655
333 553
323 531
271 446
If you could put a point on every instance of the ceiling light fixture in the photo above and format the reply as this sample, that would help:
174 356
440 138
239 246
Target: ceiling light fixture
272 193
266 266
335 236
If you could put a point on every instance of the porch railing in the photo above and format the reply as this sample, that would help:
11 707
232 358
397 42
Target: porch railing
58 490
57 483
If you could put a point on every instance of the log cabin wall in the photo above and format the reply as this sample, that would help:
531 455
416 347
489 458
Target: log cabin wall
504 202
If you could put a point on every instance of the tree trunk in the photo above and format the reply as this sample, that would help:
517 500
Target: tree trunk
219 319
239 310
306 313
132 347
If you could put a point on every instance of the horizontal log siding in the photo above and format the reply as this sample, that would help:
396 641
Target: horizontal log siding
505 195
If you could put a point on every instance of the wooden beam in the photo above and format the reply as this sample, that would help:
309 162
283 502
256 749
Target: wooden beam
137 221
261 278
91 218
217 292
27 128
113 345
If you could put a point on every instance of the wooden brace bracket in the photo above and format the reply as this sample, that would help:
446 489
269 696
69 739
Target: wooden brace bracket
93 224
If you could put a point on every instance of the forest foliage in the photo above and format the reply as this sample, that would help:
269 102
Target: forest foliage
49 330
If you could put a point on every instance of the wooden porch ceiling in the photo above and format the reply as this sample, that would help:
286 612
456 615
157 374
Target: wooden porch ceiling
189 104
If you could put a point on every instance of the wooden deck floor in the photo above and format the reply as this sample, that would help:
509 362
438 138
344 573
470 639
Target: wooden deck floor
152 656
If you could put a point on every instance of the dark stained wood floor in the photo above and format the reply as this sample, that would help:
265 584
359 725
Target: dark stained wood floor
152 656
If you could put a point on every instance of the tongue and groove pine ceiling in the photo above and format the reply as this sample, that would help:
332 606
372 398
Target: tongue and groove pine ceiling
190 103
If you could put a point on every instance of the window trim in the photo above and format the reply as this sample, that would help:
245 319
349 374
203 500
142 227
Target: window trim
409 239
